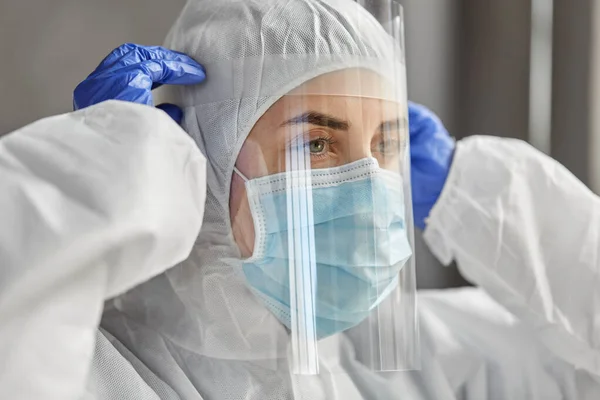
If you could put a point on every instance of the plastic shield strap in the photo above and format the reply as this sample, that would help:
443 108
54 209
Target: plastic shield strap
387 338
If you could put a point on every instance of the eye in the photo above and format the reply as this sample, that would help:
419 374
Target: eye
390 146
317 146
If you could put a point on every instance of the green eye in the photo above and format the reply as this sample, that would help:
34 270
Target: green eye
390 146
317 146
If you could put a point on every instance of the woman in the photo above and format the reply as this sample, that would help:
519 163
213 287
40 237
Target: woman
519 225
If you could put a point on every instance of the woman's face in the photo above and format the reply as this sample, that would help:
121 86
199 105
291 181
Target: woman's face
351 123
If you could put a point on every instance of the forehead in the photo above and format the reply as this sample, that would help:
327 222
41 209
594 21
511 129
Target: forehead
350 108
351 94
354 82
365 113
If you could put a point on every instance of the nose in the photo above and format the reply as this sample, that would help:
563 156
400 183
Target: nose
359 147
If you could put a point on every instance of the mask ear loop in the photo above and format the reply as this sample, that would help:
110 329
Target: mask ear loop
237 171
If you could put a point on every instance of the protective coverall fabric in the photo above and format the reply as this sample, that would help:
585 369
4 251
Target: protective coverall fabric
196 332
472 347
535 242
87 203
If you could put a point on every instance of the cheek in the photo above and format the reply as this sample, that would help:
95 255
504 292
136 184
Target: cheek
241 218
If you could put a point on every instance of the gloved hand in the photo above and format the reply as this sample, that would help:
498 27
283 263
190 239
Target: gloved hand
431 151
131 71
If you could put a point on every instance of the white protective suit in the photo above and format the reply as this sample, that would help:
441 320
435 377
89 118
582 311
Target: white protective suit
83 229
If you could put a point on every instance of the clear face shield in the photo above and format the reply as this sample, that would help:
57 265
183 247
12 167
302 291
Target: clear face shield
324 219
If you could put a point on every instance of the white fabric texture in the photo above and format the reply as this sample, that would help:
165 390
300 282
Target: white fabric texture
87 204
198 327
534 234
472 347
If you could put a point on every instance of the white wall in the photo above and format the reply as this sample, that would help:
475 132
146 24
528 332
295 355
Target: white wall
432 58
48 47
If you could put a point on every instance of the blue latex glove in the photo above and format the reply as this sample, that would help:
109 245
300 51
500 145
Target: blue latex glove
131 71
431 151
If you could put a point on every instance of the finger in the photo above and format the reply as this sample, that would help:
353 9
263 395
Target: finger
172 110
162 53
130 54
424 124
133 86
151 74
115 55
141 54
174 72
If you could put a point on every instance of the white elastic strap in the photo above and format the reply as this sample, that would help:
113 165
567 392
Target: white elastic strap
237 171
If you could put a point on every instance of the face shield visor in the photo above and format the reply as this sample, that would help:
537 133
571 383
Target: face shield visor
321 204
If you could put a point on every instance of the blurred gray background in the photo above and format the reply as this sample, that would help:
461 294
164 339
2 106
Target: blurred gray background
519 68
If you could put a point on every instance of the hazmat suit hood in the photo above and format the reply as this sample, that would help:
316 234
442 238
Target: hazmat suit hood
254 52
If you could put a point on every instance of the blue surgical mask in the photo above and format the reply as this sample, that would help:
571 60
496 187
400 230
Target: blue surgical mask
360 240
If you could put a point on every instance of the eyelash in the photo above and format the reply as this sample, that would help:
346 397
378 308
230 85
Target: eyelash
328 140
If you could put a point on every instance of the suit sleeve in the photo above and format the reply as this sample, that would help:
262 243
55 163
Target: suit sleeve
523 228
92 203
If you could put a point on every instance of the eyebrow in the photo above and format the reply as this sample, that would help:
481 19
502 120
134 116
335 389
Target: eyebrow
319 119
393 125
329 121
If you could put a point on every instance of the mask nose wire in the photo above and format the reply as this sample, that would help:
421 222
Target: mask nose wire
237 171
